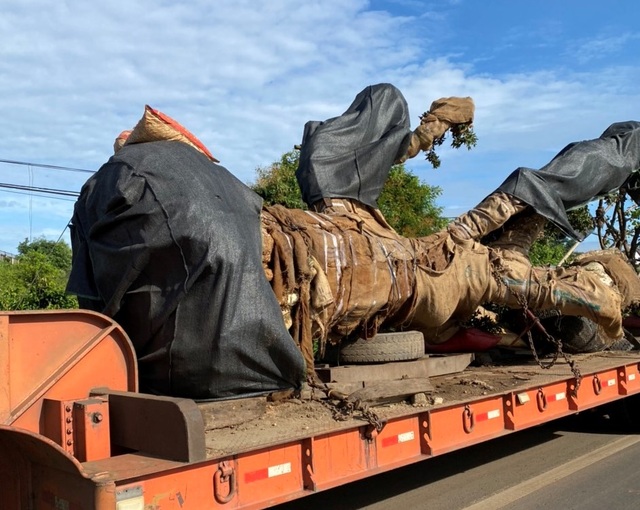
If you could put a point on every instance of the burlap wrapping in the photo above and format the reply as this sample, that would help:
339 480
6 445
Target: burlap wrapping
336 274
449 291
120 140
443 114
584 290
454 110
367 276
155 126
342 272
620 270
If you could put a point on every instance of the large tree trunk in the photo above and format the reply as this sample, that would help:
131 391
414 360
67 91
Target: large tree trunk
344 271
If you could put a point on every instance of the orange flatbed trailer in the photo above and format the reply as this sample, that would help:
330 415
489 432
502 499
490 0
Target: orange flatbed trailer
75 433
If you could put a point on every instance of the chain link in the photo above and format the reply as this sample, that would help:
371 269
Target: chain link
533 321
342 407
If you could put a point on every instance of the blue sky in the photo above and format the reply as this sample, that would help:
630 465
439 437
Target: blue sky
245 75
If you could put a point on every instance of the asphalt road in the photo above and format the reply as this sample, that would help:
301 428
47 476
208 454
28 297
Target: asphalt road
585 462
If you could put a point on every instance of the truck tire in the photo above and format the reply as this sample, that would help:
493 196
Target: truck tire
581 335
384 347
578 334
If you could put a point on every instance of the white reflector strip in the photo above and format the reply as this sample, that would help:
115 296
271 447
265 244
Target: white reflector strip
557 396
280 469
407 436
489 415
269 472
400 438
632 377
611 382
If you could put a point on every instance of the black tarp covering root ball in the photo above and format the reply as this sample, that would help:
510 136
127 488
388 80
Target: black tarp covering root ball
168 244
579 173
350 156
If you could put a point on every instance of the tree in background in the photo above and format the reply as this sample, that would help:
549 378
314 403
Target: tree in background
407 204
618 224
58 253
37 277
553 245
277 183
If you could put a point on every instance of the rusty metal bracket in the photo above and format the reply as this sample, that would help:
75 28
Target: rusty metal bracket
468 419
225 474
541 398
597 385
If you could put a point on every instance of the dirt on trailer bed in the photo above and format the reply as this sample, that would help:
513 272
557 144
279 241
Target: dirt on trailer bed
312 415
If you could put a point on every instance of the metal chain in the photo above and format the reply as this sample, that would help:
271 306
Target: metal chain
526 313
535 321
530 317
342 408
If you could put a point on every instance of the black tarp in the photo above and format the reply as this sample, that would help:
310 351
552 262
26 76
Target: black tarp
169 245
350 156
581 172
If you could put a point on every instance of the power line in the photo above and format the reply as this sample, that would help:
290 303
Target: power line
55 194
54 167
39 196
35 189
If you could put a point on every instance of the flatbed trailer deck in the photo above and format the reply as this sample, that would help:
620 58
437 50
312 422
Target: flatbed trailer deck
115 448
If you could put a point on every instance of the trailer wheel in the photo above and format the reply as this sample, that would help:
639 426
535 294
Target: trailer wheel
400 346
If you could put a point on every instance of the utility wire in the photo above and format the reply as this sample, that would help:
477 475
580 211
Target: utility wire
57 194
35 189
52 197
54 167
30 202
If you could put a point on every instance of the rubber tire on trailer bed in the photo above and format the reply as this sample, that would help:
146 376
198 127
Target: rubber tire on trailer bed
578 334
581 335
399 346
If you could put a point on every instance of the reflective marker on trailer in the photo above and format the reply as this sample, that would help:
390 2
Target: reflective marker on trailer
556 397
611 382
269 472
631 377
488 415
400 438
130 498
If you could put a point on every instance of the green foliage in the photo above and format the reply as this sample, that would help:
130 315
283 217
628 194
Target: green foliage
58 253
37 278
461 134
553 244
277 183
581 220
547 251
407 204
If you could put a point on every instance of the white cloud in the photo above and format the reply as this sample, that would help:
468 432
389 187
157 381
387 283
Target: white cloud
245 75
601 47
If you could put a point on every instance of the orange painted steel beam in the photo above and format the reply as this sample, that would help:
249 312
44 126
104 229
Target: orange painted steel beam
59 355
261 478
629 377
51 364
